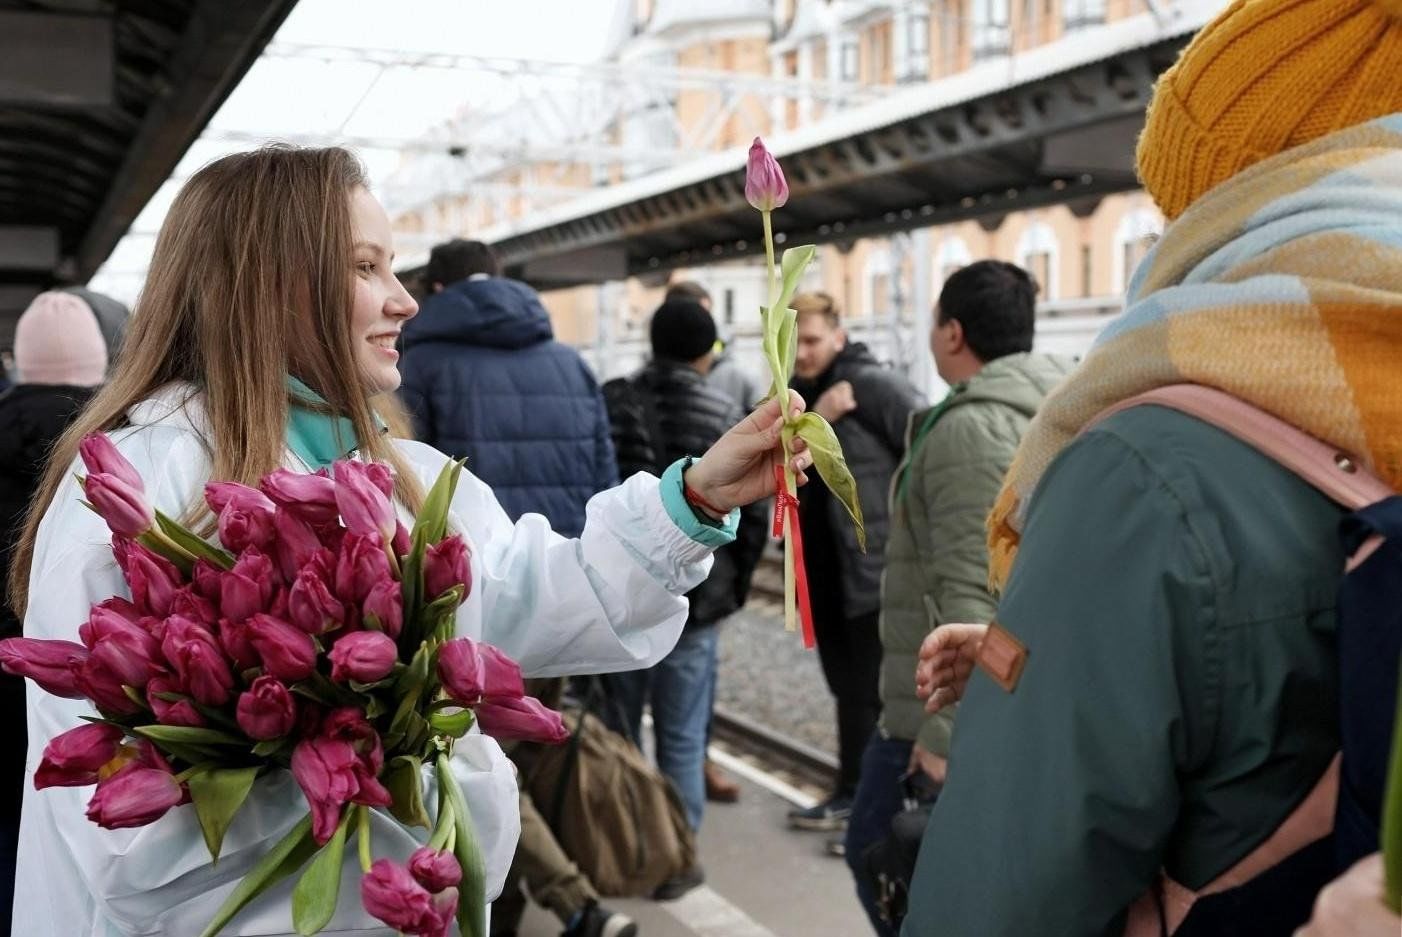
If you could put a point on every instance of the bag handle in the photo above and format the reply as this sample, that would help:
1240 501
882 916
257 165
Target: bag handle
1342 477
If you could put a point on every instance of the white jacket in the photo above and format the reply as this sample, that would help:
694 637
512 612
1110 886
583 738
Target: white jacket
607 601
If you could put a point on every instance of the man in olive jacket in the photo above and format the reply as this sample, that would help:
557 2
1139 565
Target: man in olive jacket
937 556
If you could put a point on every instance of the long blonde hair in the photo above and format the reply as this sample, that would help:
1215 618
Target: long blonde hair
251 279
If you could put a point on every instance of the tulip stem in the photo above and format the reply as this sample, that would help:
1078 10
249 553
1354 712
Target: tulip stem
189 773
362 832
769 259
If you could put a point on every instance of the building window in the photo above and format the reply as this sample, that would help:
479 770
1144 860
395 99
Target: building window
729 305
1087 270
1135 235
1038 253
991 34
1078 14
1038 263
917 46
850 59
953 255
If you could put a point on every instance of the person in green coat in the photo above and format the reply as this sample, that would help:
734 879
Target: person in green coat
936 558
1168 591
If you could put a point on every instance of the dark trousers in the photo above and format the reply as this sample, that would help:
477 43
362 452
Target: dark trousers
850 652
879 799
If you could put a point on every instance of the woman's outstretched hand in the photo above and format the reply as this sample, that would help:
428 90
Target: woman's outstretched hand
739 468
947 658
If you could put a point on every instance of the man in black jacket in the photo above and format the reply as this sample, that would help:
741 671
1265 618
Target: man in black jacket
666 412
868 406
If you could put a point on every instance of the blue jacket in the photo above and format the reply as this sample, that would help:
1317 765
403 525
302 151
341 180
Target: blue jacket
485 379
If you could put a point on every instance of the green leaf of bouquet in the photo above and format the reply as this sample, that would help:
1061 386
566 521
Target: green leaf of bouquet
404 779
277 863
432 520
454 724
795 261
788 344
832 467
1392 816
472 892
218 794
410 687
190 735
193 545
314 898
271 747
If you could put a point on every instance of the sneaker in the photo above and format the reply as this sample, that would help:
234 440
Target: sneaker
837 846
598 921
679 885
830 816
720 787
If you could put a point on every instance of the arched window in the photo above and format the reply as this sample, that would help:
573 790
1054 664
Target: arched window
1039 254
953 254
1135 234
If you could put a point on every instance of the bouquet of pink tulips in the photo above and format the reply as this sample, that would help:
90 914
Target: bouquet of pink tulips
317 636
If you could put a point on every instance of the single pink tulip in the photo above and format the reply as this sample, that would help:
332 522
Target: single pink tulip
189 603
325 770
50 664
197 657
120 606
447 564
445 909
245 515
348 724
73 758
134 796
234 638
266 710
388 891
180 712
100 684
524 718
471 671
127 649
402 541
123 507
361 565
154 580
295 544
288 653
246 589
222 495
363 656
765 186
381 476
386 603
311 605
309 497
101 457
435 869
365 509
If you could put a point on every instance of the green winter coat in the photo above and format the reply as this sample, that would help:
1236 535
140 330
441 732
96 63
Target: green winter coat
937 557
1175 590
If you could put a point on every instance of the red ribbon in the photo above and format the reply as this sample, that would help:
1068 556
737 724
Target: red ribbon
785 503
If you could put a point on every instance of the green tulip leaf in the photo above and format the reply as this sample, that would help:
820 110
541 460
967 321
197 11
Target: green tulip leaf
404 779
218 794
832 467
788 344
277 863
187 545
314 898
791 269
190 735
472 892
452 723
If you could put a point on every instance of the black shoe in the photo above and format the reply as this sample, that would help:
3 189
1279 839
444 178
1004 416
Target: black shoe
830 816
679 885
598 921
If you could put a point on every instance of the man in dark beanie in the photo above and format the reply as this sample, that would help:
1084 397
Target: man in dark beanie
665 412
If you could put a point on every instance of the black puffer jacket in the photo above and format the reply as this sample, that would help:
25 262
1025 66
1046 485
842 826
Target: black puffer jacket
689 415
873 441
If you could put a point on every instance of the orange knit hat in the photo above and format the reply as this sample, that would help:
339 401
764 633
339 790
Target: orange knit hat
1265 76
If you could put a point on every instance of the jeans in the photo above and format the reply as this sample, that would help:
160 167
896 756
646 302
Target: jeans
850 651
879 799
679 689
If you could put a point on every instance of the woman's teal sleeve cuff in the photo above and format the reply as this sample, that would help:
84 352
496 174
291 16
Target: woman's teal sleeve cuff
713 534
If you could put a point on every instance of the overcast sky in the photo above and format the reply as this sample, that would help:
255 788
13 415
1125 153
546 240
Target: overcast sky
286 96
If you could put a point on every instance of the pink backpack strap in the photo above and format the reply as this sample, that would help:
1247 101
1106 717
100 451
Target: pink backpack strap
1339 475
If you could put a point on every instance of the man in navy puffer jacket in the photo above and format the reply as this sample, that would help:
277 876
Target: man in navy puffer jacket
485 379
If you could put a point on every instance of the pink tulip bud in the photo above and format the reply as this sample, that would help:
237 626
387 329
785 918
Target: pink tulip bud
134 796
390 893
361 565
154 580
172 712
246 589
312 607
434 869
365 509
447 564
386 603
402 541
188 603
381 476
295 544
765 186
123 607
266 710
101 457
237 644
288 653
445 909
363 656
73 758
122 506
127 649
524 718
100 684
195 654
309 497
471 672
221 495
325 770
50 664
245 515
